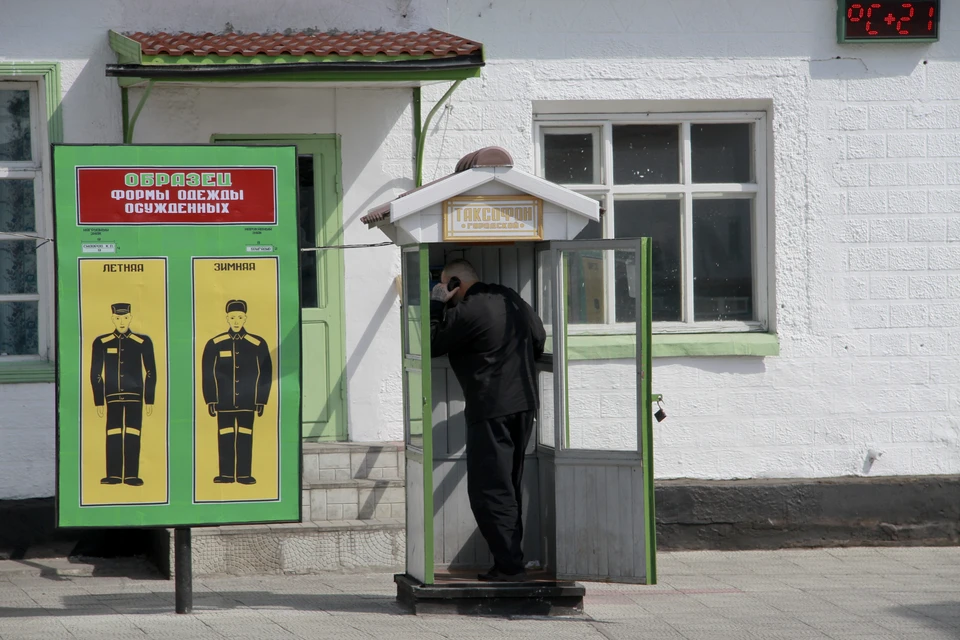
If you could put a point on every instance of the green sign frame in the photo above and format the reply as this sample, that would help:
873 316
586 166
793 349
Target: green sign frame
178 335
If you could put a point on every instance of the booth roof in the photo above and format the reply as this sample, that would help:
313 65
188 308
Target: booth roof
429 43
485 157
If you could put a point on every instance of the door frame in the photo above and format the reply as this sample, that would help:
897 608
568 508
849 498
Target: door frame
643 456
341 430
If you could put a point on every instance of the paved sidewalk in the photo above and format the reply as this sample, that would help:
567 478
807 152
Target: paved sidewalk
839 594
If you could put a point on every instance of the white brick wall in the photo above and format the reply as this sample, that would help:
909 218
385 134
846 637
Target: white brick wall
866 174
27 437
864 170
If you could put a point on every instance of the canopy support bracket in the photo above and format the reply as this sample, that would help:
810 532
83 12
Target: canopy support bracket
421 134
130 122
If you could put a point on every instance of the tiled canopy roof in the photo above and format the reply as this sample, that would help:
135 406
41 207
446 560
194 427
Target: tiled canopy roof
432 42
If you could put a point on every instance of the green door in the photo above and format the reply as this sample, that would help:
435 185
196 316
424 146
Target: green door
321 281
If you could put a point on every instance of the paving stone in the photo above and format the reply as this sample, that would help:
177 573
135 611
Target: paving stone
917 602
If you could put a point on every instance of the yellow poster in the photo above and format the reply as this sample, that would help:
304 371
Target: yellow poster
236 351
123 416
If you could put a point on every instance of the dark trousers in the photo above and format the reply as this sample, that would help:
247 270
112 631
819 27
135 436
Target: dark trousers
495 452
124 420
235 443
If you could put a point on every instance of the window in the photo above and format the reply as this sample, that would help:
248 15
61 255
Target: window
23 314
694 183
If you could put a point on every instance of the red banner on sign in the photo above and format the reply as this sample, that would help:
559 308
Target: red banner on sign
176 195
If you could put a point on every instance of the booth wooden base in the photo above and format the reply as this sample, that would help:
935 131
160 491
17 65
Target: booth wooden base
458 593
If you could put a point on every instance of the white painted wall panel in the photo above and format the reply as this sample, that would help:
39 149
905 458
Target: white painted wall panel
864 173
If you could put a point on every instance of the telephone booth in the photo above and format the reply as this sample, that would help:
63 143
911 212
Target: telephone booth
588 510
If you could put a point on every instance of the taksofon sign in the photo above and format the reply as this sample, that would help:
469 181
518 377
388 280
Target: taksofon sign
493 218
177 275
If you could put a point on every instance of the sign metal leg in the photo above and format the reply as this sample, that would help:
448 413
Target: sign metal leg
183 570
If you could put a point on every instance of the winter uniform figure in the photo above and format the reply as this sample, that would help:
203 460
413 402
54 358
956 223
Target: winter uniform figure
236 379
124 376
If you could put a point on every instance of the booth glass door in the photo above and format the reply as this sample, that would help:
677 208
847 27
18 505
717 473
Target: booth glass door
602 403
417 411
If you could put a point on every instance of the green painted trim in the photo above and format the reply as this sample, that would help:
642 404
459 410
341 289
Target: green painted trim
429 75
215 60
422 140
417 123
426 382
561 256
127 49
646 420
670 345
716 344
25 371
50 75
268 137
131 125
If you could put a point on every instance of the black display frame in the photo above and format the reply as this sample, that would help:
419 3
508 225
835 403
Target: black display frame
844 5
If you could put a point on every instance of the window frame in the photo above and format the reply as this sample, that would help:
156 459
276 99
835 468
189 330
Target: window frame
687 191
35 169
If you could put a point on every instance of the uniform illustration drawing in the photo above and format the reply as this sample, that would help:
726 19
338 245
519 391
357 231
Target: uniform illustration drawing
236 379
124 377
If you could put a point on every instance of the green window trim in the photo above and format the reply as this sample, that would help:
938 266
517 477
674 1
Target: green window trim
13 371
601 347
27 371
49 72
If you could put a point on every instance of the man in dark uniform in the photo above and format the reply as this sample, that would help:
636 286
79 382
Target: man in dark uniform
492 337
123 373
236 378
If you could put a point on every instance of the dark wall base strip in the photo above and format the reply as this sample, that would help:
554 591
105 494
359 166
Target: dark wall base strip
772 514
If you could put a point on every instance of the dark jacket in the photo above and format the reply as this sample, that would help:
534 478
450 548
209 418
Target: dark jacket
236 371
123 368
492 338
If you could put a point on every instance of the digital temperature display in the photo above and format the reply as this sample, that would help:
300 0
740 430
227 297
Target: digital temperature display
864 21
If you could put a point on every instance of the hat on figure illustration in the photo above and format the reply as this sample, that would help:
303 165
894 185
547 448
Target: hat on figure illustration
120 308
236 305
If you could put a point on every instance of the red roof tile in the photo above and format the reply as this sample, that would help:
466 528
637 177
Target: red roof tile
432 42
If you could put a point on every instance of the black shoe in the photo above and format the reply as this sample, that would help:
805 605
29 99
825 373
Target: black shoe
223 480
495 575
247 480
111 480
133 482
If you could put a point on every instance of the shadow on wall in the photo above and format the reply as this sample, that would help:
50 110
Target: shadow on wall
103 125
388 303
734 366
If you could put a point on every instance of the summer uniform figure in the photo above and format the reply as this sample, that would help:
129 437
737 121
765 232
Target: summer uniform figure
123 373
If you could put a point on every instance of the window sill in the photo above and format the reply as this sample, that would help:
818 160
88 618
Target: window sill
593 347
24 371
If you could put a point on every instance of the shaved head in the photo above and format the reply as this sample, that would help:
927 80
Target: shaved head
461 269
